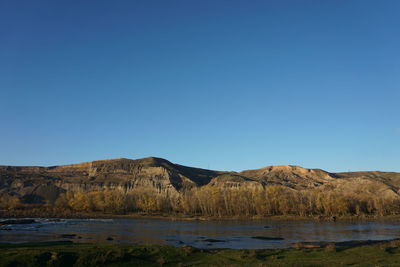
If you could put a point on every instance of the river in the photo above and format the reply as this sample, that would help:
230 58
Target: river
202 234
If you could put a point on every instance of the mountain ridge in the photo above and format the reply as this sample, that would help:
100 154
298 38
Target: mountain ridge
155 159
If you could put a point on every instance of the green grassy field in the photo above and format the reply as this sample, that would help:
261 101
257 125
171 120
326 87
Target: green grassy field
70 254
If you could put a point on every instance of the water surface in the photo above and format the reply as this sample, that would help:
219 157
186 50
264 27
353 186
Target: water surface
201 234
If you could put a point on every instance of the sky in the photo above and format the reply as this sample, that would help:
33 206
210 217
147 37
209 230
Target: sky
225 85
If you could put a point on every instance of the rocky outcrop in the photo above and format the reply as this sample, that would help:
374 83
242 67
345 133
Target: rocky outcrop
235 181
291 176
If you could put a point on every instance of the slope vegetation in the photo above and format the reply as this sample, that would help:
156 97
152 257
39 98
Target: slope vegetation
157 185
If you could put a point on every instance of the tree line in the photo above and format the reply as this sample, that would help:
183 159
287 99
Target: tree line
219 202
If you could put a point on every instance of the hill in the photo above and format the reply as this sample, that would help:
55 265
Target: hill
37 184
152 179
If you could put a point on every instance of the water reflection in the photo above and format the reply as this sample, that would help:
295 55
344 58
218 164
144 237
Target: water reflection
203 234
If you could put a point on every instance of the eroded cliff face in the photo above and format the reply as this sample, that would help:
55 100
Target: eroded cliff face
291 176
41 184
46 183
95 178
236 181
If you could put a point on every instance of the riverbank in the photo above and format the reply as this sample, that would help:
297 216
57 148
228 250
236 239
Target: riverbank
379 253
37 213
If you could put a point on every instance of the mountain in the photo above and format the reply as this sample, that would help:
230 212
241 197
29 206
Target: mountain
41 184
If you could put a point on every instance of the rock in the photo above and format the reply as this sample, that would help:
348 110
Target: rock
267 238
189 249
331 247
300 245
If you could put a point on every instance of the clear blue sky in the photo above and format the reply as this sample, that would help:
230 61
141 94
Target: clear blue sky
227 85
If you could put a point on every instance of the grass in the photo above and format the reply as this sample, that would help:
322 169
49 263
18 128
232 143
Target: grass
72 254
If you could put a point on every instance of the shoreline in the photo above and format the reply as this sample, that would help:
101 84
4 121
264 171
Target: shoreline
181 217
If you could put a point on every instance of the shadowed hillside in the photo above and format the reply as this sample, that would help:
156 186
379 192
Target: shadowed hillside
46 183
